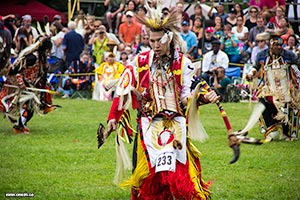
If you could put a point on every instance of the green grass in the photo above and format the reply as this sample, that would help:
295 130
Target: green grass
60 159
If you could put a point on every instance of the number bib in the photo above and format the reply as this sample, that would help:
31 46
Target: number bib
159 142
166 162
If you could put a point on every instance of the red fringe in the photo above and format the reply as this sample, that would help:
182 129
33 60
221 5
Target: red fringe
166 185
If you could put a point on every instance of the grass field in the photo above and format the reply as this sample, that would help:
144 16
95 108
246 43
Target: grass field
60 159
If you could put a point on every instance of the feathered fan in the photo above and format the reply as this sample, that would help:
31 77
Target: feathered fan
102 134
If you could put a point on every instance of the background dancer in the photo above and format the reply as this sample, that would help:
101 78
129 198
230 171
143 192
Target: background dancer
279 91
25 89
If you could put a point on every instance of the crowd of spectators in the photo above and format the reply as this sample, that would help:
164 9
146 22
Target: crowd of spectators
228 26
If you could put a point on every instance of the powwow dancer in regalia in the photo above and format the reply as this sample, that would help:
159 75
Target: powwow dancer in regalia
107 72
157 84
25 89
278 93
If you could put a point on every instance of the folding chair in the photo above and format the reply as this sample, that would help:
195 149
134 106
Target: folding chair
233 73
78 92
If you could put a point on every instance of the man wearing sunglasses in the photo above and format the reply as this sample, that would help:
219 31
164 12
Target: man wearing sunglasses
279 91
259 28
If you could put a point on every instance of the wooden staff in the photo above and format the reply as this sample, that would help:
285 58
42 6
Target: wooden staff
234 143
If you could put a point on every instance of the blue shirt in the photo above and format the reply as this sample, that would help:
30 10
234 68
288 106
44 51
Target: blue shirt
191 41
223 16
73 44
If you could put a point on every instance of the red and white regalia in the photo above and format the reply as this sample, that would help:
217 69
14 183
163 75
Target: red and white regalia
167 163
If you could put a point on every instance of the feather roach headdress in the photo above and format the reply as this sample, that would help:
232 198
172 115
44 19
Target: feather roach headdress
156 21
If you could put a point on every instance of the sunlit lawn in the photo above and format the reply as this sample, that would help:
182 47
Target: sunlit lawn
60 159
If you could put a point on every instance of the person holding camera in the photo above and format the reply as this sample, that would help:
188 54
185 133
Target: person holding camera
220 81
212 60
99 41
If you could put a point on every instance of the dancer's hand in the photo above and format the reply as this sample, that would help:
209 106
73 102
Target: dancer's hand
111 125
212 96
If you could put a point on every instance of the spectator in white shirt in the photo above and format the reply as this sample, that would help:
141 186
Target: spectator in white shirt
213 59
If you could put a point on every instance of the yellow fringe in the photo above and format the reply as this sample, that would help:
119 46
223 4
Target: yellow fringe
141 171
195 173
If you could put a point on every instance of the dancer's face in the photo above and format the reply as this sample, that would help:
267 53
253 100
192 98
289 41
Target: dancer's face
158 47
276 46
